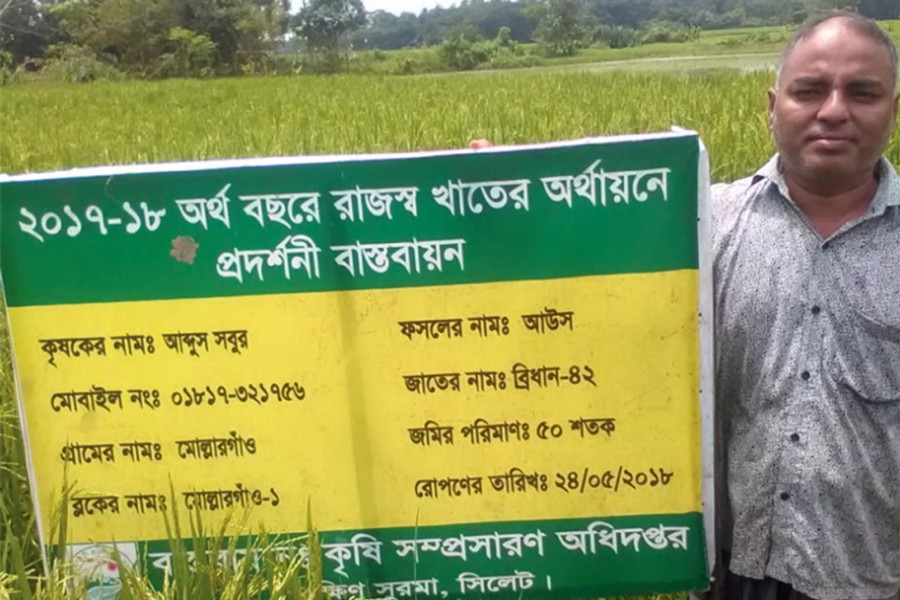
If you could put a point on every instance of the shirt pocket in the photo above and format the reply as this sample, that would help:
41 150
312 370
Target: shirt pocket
867 359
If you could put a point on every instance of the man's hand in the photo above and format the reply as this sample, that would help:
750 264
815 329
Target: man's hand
478 144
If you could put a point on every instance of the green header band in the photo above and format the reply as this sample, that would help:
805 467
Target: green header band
566 558
592 208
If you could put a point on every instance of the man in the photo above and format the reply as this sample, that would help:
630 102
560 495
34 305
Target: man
807 293
807 283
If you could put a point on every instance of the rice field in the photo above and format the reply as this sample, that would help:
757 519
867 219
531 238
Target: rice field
50 127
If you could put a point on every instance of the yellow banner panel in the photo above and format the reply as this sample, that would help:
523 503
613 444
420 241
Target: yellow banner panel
383 408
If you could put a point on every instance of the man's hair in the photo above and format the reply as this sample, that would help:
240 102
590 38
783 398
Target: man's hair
858 23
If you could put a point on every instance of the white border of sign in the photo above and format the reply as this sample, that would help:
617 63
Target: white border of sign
707 356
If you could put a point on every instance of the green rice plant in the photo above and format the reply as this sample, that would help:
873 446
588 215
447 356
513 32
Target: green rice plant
62 126
219 572
207 565
20 559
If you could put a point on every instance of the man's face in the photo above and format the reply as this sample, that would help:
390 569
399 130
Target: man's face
835 106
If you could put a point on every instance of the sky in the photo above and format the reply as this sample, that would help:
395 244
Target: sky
399 6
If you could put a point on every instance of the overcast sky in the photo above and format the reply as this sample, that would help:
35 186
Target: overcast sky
399 6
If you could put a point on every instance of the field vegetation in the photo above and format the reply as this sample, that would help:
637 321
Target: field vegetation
56 126
49 127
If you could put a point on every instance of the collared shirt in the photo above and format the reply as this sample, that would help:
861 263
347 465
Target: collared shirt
808 388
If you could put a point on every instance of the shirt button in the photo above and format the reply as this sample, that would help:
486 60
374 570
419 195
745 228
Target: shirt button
804 375
795 437
816 310
785 496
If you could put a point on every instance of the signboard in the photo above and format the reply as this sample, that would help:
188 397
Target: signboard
480 370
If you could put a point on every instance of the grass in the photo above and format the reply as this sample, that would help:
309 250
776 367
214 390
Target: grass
20 558
49 127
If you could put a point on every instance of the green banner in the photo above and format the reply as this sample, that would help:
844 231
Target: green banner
464 218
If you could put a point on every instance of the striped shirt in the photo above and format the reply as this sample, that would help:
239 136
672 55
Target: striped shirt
808 388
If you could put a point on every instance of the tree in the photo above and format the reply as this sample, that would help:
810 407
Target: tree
24 32
242 30
132 34
387 31
560 27
489 18
437 24
627 13
135 32
159 38
880 9
818 7
191 55
326 25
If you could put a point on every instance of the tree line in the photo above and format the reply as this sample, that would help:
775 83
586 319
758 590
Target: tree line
190 38
527 19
